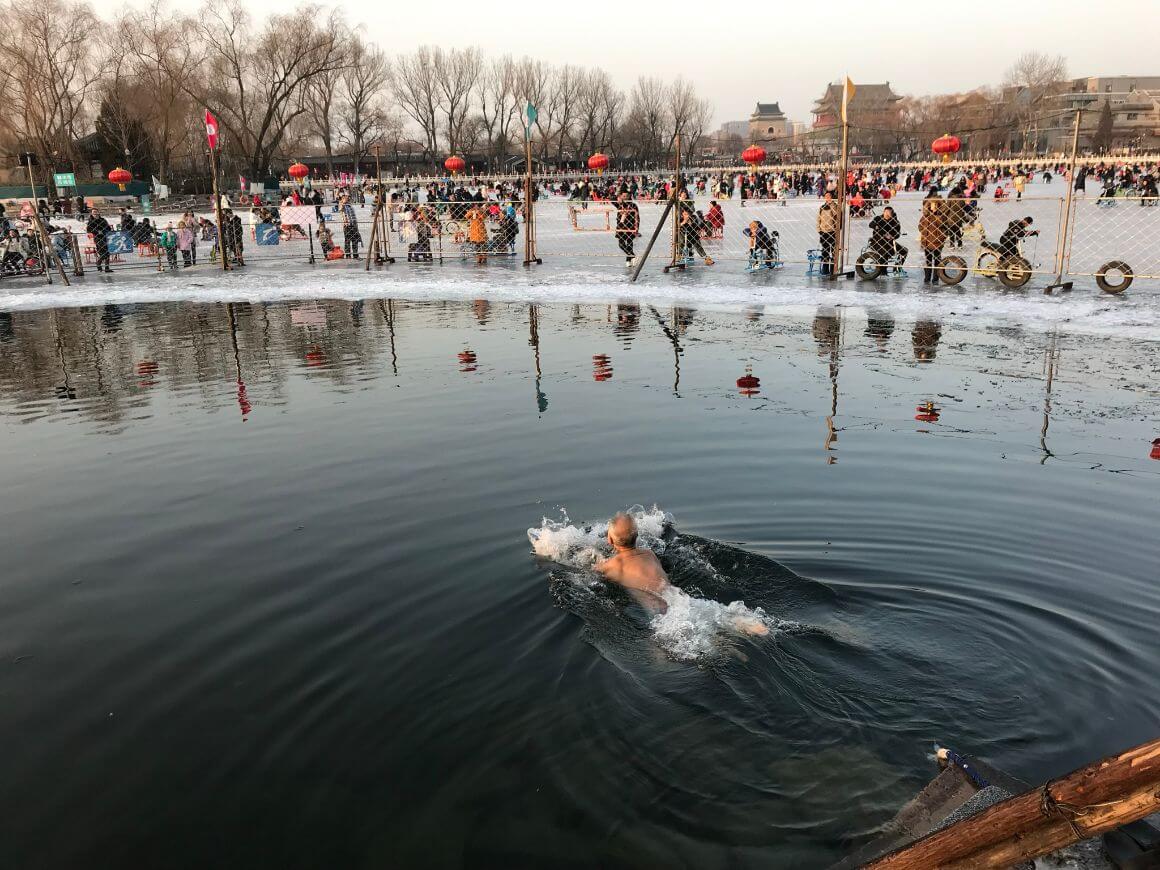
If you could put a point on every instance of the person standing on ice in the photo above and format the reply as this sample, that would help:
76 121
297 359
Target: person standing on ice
350 233
627 225
99 229
690 230
829 218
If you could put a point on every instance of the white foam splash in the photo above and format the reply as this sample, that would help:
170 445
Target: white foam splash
691 628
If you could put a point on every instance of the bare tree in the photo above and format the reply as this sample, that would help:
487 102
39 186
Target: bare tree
456 74
364 83
160 56
499 106
688 115
53 59
413 83
1031 81
256 83
648 119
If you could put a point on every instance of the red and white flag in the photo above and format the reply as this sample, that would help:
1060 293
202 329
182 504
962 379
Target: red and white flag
211 129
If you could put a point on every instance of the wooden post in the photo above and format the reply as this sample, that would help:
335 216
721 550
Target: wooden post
1062 239
217 210
45 241
673 197
640 261
1096 798
529 204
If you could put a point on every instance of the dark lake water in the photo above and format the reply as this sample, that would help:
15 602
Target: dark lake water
268 596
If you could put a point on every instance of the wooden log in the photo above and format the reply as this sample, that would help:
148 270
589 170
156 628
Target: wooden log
1096 798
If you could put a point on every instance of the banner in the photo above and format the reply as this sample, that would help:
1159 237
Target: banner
119 243
211 130
299 215
266 234
847 95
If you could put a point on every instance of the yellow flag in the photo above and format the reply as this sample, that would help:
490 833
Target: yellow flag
847 95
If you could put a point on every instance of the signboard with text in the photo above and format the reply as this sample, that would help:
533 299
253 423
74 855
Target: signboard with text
64 179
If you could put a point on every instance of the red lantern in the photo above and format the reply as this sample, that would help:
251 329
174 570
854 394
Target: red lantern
598 162
454 164
754 155
120 177
946 146
298 171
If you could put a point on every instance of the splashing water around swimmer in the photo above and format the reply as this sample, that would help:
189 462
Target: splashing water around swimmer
689 628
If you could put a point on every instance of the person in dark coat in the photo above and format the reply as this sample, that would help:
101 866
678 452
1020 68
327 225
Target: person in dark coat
885 231
99 229
1013 235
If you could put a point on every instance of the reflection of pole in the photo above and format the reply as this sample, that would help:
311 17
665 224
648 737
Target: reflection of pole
674 337
389 315
1050 362
243 399
534 341
1065 223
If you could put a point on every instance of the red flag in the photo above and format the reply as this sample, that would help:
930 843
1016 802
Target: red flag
211 129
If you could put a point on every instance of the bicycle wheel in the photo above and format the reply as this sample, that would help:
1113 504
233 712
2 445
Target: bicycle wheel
1125 273
952 270
867 267
987 263
1014 272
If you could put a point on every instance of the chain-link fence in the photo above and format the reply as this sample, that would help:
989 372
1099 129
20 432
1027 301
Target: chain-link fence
948 221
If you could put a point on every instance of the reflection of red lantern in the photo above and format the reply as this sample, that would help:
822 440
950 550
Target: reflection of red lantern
946 146
298 171
927 413
147 370
754 155
243 399
467 360
601 367
454 164
748 384
120 177
315 356
598 162
1156 449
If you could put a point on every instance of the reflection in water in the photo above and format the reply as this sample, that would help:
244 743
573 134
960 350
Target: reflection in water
482 309
749 385
601 367
672 333
927 412
534 341
467 360
828 335
627 322
925 336
879 326
1050 364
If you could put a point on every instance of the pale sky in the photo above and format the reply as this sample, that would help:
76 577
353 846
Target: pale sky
788 51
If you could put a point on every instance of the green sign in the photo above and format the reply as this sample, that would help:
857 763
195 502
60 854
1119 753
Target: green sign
64 179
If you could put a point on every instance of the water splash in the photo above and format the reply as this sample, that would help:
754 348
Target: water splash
691 628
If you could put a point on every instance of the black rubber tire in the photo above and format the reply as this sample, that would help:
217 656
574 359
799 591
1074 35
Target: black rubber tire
952 270
1116 266
867 267
987 264
1014 272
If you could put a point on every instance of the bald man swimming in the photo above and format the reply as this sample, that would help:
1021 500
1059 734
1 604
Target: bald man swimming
639 571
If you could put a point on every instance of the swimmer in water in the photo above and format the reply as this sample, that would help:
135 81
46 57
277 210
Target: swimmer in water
639 571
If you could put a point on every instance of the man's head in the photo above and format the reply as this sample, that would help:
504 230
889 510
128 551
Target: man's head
622 532
888 212
1028 221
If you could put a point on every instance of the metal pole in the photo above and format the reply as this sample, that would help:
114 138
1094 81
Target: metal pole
529 205
1065 223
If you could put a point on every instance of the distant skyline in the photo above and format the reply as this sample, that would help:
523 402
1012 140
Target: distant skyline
787 55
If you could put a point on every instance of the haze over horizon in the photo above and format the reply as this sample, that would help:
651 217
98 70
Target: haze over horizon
743 59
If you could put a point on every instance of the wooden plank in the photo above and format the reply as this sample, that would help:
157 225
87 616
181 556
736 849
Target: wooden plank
1096 798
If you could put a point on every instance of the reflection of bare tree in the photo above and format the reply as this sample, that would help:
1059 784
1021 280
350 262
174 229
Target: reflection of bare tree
925 337
104 364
